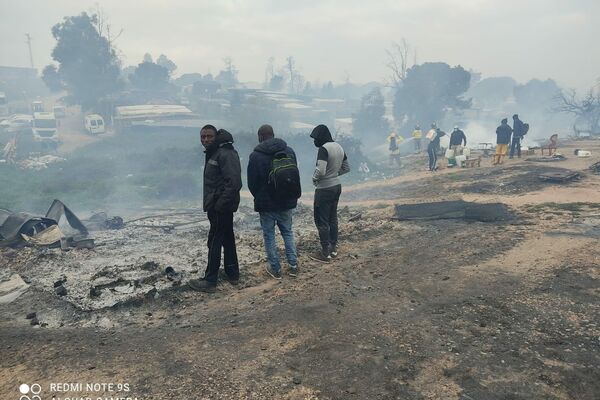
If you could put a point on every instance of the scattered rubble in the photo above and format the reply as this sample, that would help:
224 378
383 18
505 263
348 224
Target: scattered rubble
552 158
39 163
559 176
11 288
456 209
19 229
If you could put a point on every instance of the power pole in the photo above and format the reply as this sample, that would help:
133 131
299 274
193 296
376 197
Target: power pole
30 52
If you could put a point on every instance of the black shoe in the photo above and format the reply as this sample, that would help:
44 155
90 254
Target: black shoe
226 278
272 272
293 271
202 285
320 256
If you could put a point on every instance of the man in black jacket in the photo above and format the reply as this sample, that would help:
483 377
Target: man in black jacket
518 133
434 144
503 133
222 184
457 140
273 209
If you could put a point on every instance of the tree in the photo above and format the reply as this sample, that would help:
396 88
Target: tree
398 62
369 121
276 83
87 64
148 58
150 76
269 72
290 64
228 76
328 90
586 109
52 79
164 61
428 91
189 79
536 95
492 92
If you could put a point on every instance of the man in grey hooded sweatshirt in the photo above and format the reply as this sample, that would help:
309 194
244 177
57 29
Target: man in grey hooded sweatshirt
331 163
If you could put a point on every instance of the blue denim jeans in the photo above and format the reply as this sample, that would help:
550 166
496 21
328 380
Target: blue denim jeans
283 219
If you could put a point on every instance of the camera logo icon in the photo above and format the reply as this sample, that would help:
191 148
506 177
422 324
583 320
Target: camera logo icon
27 390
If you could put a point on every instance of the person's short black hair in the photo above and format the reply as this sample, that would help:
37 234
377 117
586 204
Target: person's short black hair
210 128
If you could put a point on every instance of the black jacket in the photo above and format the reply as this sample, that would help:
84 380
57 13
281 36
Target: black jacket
503 133
457 137
518 127
259 166
435 143
222 175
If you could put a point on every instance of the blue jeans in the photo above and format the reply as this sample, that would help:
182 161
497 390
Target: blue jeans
283 219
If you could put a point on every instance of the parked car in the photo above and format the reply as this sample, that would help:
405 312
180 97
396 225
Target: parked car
59 111
16 123
94 124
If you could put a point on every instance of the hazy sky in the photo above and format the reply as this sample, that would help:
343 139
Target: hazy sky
329 39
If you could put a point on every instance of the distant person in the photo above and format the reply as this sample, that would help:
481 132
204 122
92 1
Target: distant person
394 148
274 181
434 136
417 137
331 163
519 130
503 133
222 184
458 141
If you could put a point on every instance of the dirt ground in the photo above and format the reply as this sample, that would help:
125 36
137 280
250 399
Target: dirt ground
438 309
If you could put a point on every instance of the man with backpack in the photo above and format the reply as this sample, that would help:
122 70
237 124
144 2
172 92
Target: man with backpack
274 181
331 163
222 184
520 129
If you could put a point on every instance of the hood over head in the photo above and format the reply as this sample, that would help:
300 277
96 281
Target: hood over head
223 138
321 135
516 116
504 121
271 146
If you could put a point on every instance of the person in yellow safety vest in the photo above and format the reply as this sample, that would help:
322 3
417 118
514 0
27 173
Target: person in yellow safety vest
394 147
417 135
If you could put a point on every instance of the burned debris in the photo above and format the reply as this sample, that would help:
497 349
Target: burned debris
457 209
59 227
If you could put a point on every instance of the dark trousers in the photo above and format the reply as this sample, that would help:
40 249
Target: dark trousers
220 237
432 157
325 209
516 145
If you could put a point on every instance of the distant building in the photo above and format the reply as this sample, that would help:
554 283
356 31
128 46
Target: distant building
21 85
17 73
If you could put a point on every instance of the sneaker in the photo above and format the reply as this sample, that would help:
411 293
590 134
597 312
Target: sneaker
334 252
202 285
319 256
272 272
293 271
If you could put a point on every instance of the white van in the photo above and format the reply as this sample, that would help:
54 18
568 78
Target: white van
94 124
44 127
37 106
59 111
